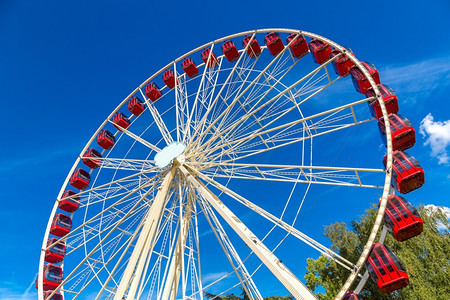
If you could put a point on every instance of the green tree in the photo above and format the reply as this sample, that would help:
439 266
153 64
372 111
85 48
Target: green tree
243 296
426 258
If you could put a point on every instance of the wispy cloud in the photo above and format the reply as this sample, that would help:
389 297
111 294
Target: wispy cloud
34 160
14 293
437 136
445 209
419 79
210 277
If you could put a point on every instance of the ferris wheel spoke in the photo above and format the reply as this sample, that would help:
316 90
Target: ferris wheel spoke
73 274
122 262
230 252
205 116
137 138
315 125
205 87
158 119
254 95
287 278
279 222
97 227
290 173
170 287
127 164
112 210
256 85
91 269
258 102
242 74
132 274
102 191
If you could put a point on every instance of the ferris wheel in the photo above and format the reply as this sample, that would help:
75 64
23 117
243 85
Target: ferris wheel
211 174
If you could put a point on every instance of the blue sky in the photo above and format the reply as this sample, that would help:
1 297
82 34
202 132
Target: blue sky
65 65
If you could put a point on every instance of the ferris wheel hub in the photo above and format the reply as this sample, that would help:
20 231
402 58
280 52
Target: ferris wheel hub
164 157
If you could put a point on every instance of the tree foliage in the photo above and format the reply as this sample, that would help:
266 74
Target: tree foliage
426 258
243 296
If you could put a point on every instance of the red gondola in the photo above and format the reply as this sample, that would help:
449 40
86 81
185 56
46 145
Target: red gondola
230 51
90 158
402 132
169 78
80 179
389 98
189 67
402 219
274 43
121 121
343 64
69 201
106 139
407 173
385 269
320 51
213 61
61 225
53 276
254 49
299 47
152 91
56 296
351 296
55 253
136 106
360 82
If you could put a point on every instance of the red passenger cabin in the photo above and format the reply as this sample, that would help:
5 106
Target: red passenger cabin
351 296
121 121
55 253
407 173
385 269
402 132
299 46
274 43
360 82
80 179
61 225
136 106
152 91
91 158
189 67
69 201
230 51
342 64
389 98
254 49
213 61
169 78
402 219
56 296
106 139
52 277
320 51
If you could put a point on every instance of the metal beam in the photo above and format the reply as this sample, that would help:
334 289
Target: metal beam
133 272
284 275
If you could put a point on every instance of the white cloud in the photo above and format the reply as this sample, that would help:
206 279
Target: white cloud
419 76
437 135
210 277
445 209
10 291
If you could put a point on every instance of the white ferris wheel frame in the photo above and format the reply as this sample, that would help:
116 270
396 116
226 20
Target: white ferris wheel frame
131 281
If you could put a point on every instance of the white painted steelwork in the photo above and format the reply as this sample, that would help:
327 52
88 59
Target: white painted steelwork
243 126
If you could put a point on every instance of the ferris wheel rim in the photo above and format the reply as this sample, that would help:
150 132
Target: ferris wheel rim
304 33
